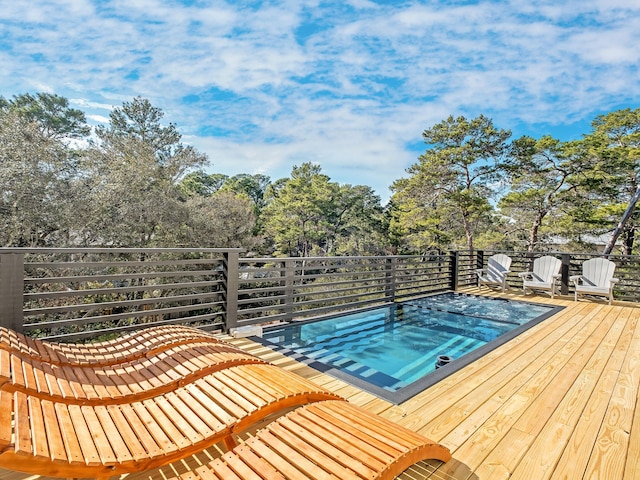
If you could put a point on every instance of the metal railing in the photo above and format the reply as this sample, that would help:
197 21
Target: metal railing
92 292
96 293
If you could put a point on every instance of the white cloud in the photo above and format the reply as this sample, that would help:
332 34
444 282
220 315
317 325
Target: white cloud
351 85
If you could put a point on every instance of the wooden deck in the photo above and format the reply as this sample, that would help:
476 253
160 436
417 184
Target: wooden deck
559 401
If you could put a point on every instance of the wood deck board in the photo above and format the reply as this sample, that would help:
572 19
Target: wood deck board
559 401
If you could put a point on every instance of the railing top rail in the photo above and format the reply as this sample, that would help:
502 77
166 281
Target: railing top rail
557 253
116 250
337 257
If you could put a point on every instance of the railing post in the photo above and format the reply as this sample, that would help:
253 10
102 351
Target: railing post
390 278
564 273
288 272
12 291
455 261
231 272
479 260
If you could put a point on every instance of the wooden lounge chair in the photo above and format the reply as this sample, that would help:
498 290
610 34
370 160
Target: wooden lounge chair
128 347
496 272
323 440
546 270
596 279
50 437
141 378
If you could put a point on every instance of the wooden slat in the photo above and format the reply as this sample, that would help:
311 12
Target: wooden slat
5 367
55 444
223 471
100 438
282 464
73 450
6 410
22 423
301 443
155 445
335 446
294 458
241 469
83 434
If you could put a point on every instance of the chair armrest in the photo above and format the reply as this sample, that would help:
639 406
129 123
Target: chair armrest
614 280
575 279
525 274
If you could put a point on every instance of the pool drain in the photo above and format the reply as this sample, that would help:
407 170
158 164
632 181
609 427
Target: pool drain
443 360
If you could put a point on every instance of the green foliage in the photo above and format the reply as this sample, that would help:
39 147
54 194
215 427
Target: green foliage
223 218
539 172
51 113
35 193
612 176
202 184
310 215
252 186
452 180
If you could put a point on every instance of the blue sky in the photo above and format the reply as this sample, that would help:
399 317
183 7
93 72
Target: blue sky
260 86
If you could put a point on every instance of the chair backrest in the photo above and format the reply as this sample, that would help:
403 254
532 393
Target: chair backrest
598 271
497 266
546 267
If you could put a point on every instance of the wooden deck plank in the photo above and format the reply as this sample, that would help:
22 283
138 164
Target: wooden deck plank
606 409
549 379
632 467
595 377
613 438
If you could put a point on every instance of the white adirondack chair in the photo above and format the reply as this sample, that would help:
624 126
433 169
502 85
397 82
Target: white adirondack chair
546 270
496 272
596 279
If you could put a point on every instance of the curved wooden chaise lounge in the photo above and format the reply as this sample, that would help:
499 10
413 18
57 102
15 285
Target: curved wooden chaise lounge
159 372
332 439
139 344
66 420
51 437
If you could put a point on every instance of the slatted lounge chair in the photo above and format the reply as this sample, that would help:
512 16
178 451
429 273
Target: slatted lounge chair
324 440
546 270
496 272
596 279
128 347
138 379
63 439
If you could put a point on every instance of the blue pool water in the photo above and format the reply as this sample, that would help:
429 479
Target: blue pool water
393 347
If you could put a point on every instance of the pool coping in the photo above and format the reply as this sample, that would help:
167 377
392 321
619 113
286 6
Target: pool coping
409 391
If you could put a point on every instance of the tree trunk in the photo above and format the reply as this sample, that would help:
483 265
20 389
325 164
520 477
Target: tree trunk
625 217
533 234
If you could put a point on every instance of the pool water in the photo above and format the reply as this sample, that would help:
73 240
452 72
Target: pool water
392 347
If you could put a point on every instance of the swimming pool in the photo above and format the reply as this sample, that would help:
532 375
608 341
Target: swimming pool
392 350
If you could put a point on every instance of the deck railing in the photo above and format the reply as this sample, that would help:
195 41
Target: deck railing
93 293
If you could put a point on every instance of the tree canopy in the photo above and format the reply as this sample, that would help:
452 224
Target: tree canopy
452 180
133 182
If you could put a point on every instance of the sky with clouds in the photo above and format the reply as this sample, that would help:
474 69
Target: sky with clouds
261 86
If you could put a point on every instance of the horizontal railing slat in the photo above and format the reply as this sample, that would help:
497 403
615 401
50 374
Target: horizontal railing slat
107 291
